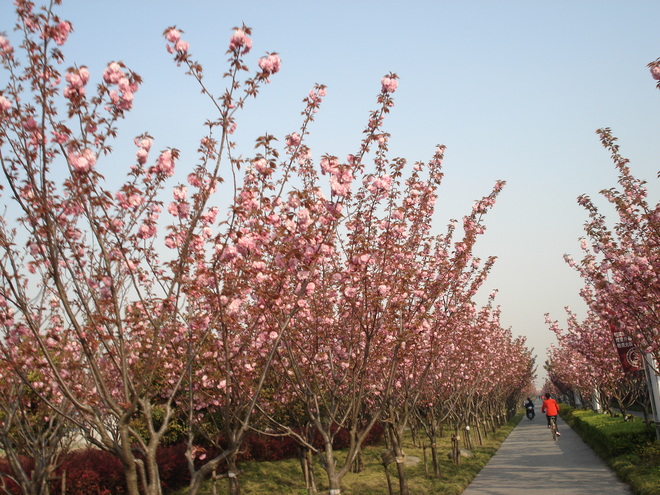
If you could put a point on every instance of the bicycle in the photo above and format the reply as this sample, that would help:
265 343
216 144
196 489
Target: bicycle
553 427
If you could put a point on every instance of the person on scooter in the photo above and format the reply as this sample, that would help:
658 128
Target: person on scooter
529 407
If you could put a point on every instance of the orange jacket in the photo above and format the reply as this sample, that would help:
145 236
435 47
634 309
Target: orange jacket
550 407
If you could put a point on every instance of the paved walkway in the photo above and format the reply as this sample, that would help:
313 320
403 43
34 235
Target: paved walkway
529 461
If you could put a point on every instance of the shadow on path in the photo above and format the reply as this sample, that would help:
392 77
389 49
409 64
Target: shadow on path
529 461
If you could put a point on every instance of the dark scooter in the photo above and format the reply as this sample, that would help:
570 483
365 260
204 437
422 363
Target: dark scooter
530 412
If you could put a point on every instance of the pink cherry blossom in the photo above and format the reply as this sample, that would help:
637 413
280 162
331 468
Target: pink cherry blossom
389 84
193 180
210 216
240 42
113 73
84 74
350 292
30 125
180 193
340 183
233 307
173 35
181 46
270 64
146 231
164 164
380 183
74 79
143 143
142 156
5 47
5 104
61 32
293 140
82 162
329 164
60 137
261 166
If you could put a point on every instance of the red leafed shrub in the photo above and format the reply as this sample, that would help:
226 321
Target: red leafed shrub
342 438
173 466
91 472
5 473
95 472
266 448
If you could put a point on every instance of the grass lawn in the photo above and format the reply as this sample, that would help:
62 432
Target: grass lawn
285 477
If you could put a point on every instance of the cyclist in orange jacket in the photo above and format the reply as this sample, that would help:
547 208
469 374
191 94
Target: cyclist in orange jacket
551 409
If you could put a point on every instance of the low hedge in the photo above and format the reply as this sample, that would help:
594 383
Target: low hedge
609 436
628 447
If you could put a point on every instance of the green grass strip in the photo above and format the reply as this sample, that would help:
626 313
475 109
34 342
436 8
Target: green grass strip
285 477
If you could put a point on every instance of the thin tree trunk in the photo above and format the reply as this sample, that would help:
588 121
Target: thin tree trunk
334 482
399 455
358 463
232 475
389 480
306 464
436 460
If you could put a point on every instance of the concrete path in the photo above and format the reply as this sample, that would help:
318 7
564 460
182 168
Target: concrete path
529 461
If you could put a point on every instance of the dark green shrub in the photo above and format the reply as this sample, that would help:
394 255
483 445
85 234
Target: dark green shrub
650 454
607 435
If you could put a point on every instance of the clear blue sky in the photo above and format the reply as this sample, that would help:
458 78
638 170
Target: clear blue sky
514 89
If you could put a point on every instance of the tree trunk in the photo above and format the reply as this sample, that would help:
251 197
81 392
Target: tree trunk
232 474
125 454
153 474
399 455
436 460
358 463
389 480
467 438
195 484
306 464
131 475
413 433
334 482
456 448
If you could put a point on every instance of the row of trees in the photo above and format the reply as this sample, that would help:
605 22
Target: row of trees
620 268
307 304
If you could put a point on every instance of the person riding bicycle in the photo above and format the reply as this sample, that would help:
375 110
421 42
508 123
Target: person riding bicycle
529 408
551 409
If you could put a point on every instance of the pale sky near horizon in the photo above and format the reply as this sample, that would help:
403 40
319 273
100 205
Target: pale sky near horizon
514 89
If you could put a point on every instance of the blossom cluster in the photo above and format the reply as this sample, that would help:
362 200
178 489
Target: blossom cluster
176 44
81 161
122 97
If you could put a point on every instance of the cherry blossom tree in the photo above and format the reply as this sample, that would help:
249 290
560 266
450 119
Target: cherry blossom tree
33 438
619 266
76 253
147 303
478 378
250 280
596 366
115 321
370 307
